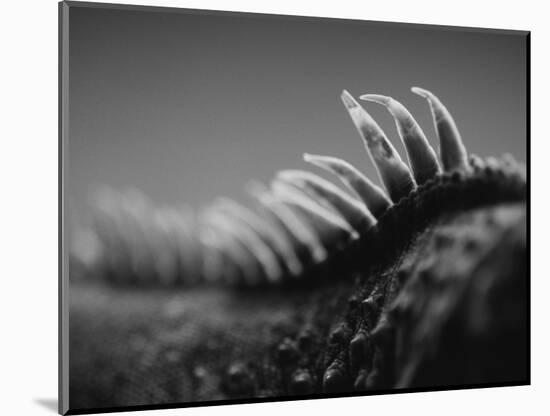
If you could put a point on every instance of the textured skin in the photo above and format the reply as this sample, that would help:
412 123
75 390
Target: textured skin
436 296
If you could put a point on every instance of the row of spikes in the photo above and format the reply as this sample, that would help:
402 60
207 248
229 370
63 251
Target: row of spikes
298 219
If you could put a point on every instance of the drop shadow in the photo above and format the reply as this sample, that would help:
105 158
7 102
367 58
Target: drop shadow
49 404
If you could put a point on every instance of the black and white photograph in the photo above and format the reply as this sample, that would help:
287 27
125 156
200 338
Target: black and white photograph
261 207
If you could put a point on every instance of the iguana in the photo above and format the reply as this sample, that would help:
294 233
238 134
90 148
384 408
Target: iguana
313 291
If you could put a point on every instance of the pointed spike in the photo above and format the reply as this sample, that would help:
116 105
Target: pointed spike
332 229
271 235
372 195
395 175
302 234
422 157
452 150
356 214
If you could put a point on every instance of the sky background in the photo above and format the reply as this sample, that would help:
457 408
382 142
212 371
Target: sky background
188 106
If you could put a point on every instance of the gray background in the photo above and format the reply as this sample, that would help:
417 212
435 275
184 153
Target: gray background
187 107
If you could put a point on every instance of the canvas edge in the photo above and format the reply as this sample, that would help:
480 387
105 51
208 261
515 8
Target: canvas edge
63 161
255 15
63 260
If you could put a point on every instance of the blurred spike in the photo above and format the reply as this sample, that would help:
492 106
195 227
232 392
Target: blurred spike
370 307
358 349
139 222
331 227
476 163
509 160
271 234
296 228
301 382
492 163
512 163
372 380
287 353
372 195
356 214
165 254
339 334
361 379
255 247
382 334
334 380
85 246
213 253
108 224
186 239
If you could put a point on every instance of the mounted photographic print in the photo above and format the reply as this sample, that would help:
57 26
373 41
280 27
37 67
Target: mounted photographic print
264 208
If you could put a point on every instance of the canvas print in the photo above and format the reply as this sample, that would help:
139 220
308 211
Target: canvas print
261 207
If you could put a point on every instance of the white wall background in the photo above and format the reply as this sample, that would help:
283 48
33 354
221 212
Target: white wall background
28 165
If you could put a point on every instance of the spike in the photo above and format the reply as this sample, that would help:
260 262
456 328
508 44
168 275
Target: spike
331 227
358 216
110 231
185 236
370 306
476 163
298 230
492 164
373 379
334 380
358 349
166 262
233 252
254 246
210 241
135 222
287 352
372 195
339 334
422 157
301 382
360 380
509 160
395 175
271 235
453 152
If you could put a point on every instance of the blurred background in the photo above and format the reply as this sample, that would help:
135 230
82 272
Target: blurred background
188 106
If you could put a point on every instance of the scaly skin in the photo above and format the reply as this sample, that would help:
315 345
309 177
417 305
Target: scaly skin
435 296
